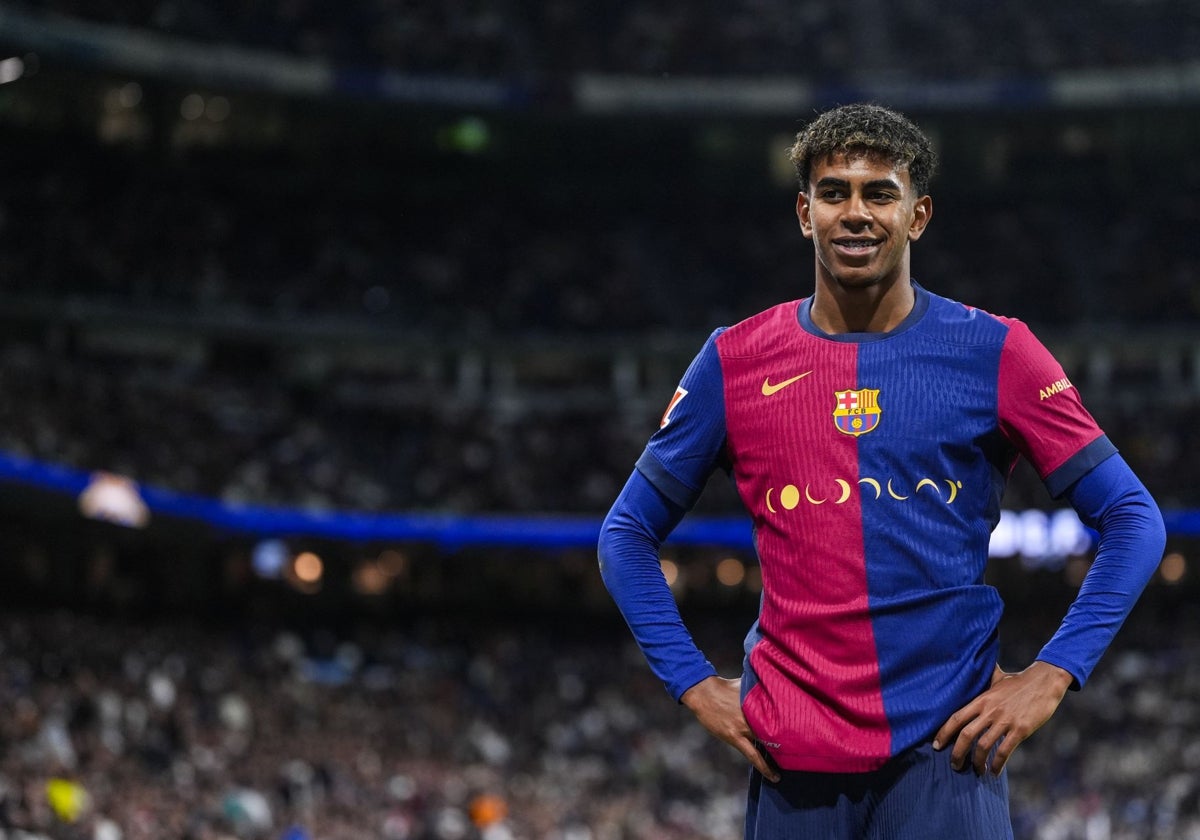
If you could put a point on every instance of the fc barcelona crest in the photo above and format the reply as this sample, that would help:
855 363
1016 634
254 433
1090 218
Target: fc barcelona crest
857 412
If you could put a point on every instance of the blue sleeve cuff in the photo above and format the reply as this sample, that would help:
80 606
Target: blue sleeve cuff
679 686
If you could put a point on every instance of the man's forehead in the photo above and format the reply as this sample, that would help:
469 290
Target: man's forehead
861 162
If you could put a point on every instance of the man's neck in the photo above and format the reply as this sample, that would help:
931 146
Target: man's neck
873 309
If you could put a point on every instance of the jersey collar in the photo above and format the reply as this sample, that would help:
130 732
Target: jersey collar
920 306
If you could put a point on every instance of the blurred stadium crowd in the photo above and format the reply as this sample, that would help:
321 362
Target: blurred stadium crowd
140 731
249 439
243 237
252 439
548 40
245 429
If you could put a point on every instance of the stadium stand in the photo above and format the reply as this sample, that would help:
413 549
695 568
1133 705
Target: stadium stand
651 37
261 408
141 730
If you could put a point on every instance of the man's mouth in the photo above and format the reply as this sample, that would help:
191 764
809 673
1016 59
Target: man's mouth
856 244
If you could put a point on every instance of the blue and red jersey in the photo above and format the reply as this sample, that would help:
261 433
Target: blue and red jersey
872 466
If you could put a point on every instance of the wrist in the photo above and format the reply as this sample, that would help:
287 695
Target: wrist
693 696
1056 676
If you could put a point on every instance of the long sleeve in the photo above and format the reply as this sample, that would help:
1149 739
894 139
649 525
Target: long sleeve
1110 499
640 520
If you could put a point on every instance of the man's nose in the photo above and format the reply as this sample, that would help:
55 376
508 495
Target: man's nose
858 212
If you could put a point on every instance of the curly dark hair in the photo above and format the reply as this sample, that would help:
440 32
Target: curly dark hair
866 128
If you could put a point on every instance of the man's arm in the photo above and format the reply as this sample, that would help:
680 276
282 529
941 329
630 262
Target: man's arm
630 538
640 520
1110 499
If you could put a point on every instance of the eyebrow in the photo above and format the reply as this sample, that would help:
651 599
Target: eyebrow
881 183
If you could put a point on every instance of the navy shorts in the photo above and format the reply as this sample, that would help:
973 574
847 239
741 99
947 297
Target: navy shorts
915 796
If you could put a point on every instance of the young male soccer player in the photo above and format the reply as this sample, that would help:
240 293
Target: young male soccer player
870 430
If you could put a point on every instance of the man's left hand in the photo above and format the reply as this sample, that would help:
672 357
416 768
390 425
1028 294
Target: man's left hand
1013 708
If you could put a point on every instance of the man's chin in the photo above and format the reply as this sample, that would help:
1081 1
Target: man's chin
852 281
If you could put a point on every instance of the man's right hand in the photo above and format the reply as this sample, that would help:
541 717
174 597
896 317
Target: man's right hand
717 704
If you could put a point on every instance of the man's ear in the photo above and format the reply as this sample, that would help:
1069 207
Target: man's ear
802 213
922 213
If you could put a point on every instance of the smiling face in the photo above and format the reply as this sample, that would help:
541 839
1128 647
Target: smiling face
861 212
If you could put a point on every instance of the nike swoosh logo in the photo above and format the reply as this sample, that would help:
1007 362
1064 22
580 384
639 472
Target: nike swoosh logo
768 389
